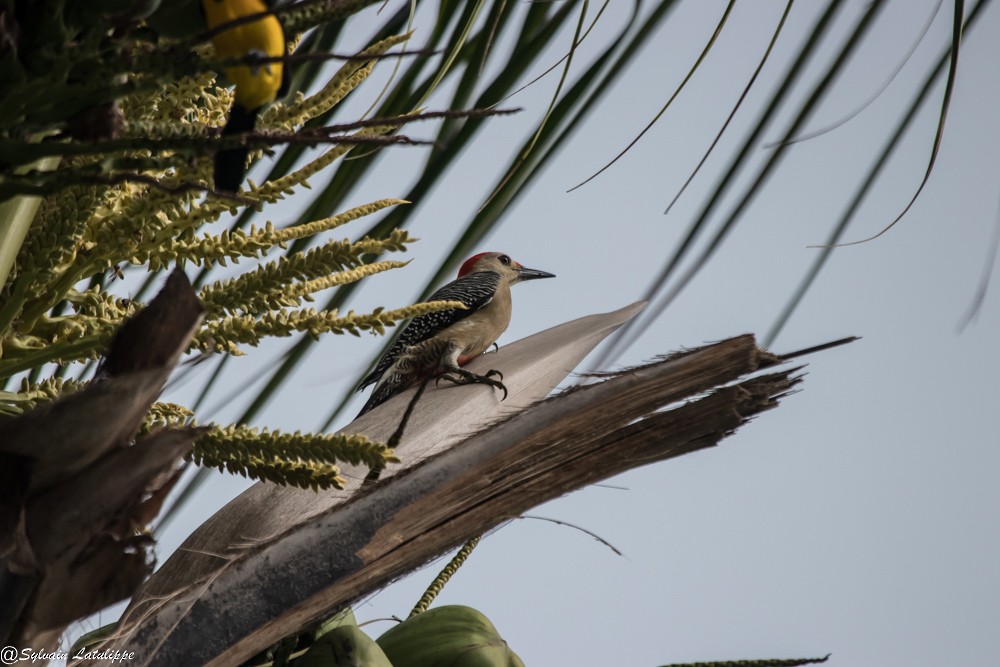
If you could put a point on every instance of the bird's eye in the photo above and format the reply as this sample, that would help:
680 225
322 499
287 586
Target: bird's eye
504 259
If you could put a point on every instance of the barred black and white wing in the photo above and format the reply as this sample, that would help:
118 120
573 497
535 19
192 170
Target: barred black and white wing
475 290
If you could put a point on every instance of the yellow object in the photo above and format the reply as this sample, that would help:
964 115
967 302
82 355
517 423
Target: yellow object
256 85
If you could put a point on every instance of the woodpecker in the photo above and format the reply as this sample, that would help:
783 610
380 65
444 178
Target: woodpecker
256 85
441 343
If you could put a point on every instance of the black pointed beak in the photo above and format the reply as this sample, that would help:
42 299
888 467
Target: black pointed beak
532 274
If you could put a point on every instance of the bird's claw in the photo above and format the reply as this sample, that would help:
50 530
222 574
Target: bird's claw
498 384
467 377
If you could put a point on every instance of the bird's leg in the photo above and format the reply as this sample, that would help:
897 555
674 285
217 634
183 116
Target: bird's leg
459 375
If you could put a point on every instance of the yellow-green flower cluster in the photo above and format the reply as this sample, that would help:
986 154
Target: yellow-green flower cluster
102 305
280 283
52 239
31 395
444 577
301 16
226 334
236 244
177 108
347 78
166 415
300 459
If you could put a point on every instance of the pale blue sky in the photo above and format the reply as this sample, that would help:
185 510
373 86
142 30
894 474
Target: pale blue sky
859 518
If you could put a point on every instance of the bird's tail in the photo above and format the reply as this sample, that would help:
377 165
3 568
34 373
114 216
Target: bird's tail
382 393
231 164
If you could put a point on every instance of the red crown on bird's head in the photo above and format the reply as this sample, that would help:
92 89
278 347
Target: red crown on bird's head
469 263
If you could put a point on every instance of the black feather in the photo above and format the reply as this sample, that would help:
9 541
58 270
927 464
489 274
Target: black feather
231 164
